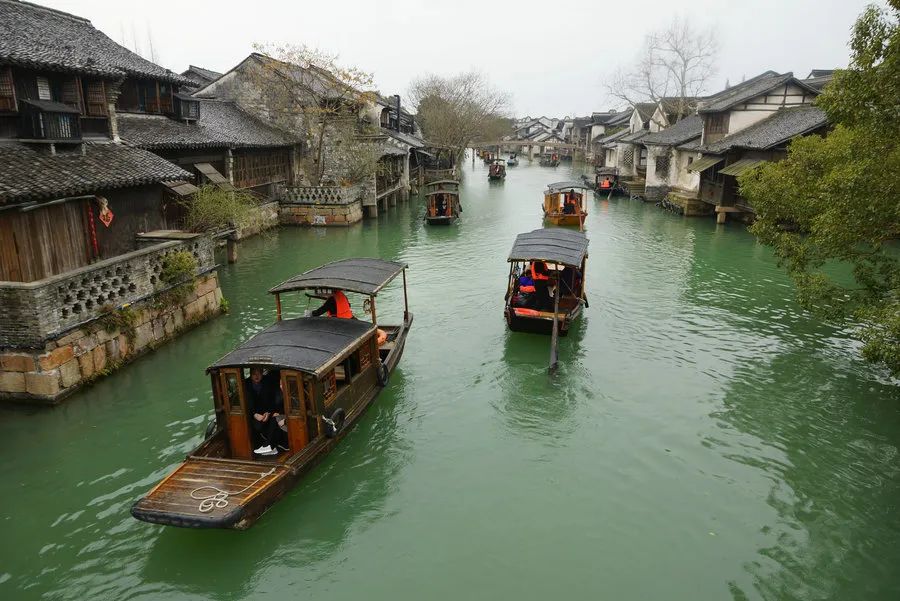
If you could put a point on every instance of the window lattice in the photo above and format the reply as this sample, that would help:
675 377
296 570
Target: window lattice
662 165
7 91
95 98
628 157
261 168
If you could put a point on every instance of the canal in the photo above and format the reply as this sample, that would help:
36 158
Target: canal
704 438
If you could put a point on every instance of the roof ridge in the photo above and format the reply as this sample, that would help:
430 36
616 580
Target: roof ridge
46 9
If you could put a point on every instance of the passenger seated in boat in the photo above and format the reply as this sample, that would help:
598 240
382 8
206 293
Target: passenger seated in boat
570 208
266 406
441 204
524 290
336 305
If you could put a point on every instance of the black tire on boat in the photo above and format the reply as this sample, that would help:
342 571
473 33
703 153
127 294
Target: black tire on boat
210 429
384 375
337 422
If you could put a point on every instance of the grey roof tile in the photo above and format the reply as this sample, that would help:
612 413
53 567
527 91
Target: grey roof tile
686 129
783 125
38 37
26 174
221 124
746 90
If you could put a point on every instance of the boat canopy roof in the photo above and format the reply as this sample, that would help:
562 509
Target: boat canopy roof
365 276
312 345
554 245
441 182
561 186
443 191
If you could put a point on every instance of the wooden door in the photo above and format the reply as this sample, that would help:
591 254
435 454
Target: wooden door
294 409
236 409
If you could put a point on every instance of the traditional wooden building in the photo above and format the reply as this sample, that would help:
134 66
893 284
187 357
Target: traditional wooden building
75 202
219 144
753 120
199 76
669 156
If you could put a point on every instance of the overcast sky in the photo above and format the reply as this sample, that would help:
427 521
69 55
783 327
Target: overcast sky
550 56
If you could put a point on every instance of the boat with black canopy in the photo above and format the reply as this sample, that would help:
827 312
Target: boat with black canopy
545 292
513 159
442 205
322 373
564 203
497 170
550 159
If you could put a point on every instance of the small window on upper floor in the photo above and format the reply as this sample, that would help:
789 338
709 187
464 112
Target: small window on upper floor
7 91
187 107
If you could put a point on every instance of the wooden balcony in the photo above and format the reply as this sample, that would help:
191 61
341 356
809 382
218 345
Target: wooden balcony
50 121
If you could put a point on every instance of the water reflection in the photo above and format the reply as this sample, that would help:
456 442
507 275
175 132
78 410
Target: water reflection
532 402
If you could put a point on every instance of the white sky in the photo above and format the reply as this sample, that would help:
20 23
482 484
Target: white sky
551 56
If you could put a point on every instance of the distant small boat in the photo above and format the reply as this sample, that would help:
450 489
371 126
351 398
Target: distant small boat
513 160
442 206
564 204
550 159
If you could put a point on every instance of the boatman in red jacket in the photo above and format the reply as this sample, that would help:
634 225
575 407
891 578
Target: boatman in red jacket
337 305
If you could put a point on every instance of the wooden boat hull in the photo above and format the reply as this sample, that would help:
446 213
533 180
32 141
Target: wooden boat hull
170 502
444 220
496 177
542 323
565 219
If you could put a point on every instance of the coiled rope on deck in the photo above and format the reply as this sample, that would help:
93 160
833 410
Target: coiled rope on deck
219 499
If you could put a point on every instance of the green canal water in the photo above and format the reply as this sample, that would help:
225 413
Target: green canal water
704 438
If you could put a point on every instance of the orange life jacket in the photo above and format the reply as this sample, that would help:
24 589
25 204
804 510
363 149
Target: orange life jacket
538 276
604 183
343 306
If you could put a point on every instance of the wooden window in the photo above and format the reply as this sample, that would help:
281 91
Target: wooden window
330 390
43 88
95 99
232 385
717 123
7 90
662 165
258 168
295 400
71 95
365 355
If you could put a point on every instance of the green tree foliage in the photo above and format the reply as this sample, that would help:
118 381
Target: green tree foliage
835 200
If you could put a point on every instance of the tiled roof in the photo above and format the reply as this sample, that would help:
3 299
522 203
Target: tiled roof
819 82
408 139
38 37
221 124
26 174
686 129
620 118
783 125
613 137
746 90
636 136
206 74
645 109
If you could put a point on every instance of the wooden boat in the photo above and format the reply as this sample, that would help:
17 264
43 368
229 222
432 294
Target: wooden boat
328 370
497 169
513 160
556 259
550 159
606 181
442 205
564 204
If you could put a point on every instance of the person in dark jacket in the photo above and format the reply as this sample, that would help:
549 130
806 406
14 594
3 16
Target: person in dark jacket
266 405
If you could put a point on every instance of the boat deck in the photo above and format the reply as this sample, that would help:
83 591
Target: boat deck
208 492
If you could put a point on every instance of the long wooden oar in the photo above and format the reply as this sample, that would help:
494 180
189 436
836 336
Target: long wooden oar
554 339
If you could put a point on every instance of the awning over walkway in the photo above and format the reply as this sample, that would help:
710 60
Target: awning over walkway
210 173
741 166
705 163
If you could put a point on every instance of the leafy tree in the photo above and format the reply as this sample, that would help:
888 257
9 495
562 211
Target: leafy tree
212 209
835 200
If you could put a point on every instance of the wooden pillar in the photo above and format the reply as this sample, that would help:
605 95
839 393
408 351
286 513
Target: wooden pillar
231 249
720 217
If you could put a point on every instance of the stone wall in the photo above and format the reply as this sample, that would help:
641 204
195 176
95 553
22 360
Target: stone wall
270 217
655 193
64 364
321 205
690 204
35 312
